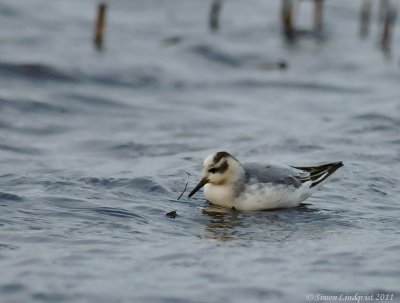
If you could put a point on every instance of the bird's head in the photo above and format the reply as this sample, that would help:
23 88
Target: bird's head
219 168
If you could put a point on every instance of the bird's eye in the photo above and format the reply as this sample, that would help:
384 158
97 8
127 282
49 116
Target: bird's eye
212 170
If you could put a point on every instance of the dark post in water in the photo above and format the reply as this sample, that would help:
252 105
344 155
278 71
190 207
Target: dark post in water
388 24
318 15
287 20
100 25
214 15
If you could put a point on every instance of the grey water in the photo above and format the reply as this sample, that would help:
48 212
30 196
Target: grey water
96 146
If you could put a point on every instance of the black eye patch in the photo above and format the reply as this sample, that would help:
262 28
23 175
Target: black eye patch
213 170
220 169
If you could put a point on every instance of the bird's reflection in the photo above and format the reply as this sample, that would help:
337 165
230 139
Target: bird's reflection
276 226
222 222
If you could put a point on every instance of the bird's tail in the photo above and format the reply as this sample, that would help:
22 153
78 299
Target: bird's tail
318 174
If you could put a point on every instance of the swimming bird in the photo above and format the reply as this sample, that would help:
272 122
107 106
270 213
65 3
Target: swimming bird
231 184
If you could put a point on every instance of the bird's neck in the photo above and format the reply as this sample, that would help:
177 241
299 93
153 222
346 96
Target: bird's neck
238 174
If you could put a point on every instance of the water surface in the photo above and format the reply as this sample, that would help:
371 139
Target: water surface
95 148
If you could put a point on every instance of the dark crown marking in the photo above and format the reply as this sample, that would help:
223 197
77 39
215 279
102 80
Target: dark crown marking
219 155
223 167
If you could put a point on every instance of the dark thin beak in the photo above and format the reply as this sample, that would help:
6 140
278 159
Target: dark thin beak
203 182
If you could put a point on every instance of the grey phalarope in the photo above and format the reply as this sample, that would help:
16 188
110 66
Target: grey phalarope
231 184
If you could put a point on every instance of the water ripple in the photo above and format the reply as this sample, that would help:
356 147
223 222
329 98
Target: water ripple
214 55
134 149
144 184
297 85
34 72
31 106
10 197
120 213
24 150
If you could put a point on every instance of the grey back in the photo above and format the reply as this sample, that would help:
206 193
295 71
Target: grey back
264 173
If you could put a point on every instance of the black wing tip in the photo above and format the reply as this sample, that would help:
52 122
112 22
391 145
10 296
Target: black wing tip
334 165
337 165
319 173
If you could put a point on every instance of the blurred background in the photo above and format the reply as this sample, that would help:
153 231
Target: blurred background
97 141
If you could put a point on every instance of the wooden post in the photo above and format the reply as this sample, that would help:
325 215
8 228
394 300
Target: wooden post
318 15
100 26
213 21
387 30
365 18
287 20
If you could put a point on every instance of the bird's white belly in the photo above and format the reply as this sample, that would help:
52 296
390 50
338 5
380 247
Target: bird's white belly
257 196
263 197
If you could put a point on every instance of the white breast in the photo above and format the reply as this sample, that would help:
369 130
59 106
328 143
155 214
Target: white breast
219 195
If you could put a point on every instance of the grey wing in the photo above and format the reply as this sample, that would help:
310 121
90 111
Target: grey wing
274 174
